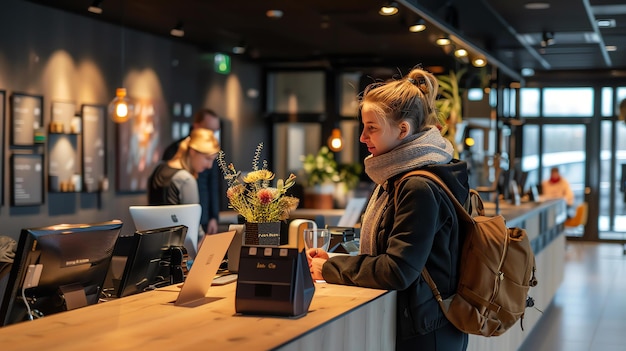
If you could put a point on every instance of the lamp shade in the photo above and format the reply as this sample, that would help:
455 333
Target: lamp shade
120 108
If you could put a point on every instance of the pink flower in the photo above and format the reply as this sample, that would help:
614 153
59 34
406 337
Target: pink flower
265 196
234 191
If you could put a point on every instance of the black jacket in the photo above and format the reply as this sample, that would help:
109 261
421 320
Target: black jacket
422 230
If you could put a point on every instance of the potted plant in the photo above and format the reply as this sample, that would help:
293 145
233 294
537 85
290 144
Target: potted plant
327 181
450 105
261 205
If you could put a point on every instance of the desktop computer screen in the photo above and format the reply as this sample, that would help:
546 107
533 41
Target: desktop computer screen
58 268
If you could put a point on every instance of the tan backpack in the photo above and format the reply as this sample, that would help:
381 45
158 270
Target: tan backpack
497 270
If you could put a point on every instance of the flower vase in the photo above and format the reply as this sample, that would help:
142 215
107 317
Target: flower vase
265 234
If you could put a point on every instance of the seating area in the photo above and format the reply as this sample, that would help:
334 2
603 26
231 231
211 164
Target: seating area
575 226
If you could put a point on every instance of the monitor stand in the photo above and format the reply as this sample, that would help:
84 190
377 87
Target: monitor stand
73 296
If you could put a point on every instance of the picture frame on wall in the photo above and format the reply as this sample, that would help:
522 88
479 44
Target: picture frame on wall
26 118
138 146
27 179
94 122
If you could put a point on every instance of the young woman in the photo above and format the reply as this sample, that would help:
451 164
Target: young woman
399 128
173 182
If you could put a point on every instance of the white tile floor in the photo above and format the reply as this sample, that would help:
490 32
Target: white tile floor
588 312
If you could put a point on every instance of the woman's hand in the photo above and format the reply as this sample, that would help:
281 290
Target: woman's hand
316 259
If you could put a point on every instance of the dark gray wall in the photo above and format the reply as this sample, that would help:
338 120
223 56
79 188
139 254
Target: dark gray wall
68 57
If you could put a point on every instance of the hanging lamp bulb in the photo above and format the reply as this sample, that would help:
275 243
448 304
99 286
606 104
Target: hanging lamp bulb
335 141
120 108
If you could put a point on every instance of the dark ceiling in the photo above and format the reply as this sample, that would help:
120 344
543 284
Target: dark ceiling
352 33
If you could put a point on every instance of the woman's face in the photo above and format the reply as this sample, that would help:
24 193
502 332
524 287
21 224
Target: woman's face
378 134
201 162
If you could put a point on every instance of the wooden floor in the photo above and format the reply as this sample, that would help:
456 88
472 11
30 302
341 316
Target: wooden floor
589 309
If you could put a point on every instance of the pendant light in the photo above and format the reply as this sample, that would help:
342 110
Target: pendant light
121 107
335 141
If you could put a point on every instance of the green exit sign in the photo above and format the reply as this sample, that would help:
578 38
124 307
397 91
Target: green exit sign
221 63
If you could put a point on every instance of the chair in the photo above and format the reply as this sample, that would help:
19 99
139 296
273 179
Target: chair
576 224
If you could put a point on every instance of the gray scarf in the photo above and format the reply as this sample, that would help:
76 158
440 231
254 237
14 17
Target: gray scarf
419 150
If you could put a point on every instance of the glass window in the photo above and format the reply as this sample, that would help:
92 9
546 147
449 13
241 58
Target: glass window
508 102
621 95
606 192
607 102
512 96
529 102
296 92
562 147
349 105
530 154
568 102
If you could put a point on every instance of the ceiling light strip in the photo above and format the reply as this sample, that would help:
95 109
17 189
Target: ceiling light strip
421 11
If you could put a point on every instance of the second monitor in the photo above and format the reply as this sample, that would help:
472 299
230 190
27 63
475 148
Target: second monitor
151 217
155 258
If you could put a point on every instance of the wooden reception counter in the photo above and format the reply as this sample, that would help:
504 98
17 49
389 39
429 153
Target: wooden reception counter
339 318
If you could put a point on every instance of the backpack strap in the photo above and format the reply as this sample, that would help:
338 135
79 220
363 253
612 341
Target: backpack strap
460 210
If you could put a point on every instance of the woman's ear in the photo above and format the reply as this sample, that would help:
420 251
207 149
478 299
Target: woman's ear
405 129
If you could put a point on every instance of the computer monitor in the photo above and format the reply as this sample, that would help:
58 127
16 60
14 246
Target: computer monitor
153 260
58 268
152 217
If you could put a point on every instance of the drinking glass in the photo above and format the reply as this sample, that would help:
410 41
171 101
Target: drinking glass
316 239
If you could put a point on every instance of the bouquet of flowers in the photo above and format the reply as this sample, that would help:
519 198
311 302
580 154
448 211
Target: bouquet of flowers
252 196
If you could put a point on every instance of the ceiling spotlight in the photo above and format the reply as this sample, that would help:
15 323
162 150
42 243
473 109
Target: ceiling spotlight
388 9
547 39
606 23
443 41
418 26
479 62
239 48
95 7
610 48
538 5
460 53
275 14
178 31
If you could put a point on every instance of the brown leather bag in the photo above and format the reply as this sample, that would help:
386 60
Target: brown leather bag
497 270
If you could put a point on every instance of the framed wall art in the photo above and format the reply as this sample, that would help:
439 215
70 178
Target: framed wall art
138 147
27 179
26 118
94 148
